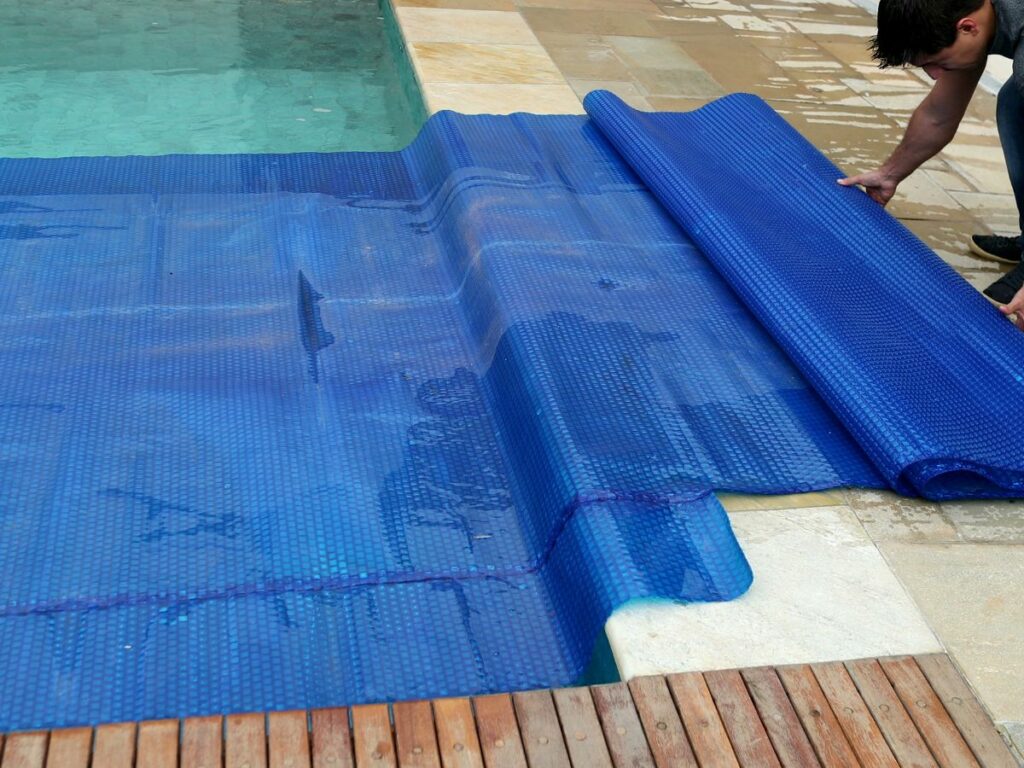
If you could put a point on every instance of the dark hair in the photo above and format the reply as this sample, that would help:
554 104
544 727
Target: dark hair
908 29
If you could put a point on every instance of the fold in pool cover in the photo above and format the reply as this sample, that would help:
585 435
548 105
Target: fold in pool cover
305 430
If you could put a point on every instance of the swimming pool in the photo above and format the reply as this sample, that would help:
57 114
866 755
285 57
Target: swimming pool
126 77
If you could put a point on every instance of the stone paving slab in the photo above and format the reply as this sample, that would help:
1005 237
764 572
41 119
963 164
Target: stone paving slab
971 595
821 592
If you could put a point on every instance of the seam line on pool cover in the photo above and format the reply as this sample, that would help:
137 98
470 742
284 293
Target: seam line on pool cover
313 585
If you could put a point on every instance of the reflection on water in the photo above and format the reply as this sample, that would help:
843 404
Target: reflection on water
116 77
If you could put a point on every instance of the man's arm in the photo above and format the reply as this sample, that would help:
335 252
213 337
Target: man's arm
931 127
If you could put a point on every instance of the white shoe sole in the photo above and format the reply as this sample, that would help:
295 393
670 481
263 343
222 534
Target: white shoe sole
979 251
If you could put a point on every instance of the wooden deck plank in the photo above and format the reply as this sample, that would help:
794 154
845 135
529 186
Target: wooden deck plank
499 732
703 724
25 750
288 739
456 734
749 739
114 746
415 739
900 712
582 728
818 719
662 724
542 734
69 748
623 731
158 744
896 726
202 742
854 718
332 738
665 733
371 728
972 721
792 746
245 741
930 717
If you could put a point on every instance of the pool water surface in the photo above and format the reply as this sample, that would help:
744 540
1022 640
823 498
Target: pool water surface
127 77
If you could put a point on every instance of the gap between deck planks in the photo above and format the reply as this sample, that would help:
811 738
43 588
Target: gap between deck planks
884 713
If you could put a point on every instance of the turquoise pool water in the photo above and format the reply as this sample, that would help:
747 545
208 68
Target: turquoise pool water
125 77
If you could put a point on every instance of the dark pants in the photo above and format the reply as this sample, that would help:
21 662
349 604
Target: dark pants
1010 119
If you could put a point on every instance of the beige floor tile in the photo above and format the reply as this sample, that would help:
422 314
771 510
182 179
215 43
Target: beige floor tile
998 220
479 64
684 83
820 75
971 596
887 516
816 14
988 521
447 25
626 91
985 204
621 6
825 31
673 104
569 40
481 5
899 105
979 131
982 165
949 180
473 99
856 138
918 197
718 6
983 107
686 24
748 22
649 52
587 22
885 86
591 62
849 51
745 68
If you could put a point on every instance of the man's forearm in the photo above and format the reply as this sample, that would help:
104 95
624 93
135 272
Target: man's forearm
926 135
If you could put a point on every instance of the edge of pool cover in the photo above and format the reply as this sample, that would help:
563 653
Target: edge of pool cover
138 586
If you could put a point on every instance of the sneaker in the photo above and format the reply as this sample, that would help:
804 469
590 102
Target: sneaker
997 247
1006 287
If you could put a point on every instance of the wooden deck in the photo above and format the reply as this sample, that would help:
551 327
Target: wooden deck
875 712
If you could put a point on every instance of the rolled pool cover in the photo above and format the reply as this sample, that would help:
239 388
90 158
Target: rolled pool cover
924 373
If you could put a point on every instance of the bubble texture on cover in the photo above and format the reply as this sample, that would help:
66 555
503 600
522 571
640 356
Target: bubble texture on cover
917 365
291 431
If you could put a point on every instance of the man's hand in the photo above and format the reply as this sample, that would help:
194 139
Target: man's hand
879 185
1016 308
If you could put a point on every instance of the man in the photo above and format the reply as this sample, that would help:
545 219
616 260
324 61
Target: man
951 40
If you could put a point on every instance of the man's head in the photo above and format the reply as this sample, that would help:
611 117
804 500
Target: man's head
933 34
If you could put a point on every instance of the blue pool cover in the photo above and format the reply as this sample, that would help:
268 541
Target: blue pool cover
289 431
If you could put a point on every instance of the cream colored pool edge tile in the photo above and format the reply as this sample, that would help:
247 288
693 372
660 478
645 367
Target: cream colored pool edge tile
821 592
744 502
483 63
498 99
455 25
